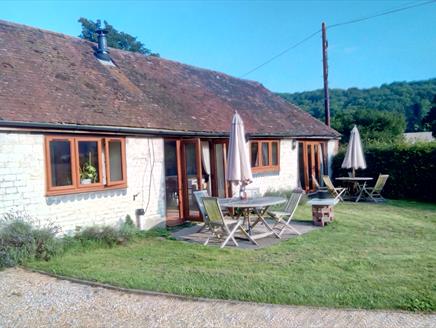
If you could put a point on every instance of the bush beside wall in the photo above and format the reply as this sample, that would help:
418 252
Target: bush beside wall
22 240
411 169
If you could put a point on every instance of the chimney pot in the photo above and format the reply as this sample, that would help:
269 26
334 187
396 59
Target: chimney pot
102 52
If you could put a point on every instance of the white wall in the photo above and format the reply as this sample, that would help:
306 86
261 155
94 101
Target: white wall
22 185
286 178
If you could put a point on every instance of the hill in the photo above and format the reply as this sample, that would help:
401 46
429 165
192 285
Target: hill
411 99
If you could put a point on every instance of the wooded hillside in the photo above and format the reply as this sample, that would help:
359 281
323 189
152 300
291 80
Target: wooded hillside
411 99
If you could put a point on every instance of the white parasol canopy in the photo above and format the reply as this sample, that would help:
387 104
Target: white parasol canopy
238 163
354 158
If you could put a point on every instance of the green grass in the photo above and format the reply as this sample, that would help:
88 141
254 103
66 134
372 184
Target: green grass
373 256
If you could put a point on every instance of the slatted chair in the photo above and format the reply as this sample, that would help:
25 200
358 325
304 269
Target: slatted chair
283 218
199 195
220 227
374 193
336 192
317 185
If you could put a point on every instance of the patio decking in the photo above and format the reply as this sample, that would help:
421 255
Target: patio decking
191 234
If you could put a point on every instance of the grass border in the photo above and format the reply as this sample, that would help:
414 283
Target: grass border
210 300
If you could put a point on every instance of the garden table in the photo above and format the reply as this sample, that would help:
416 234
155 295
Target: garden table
258 205
358 185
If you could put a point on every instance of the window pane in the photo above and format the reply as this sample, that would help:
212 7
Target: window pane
275 155
191 160
254 151
60 163
265 150
115 161
88 162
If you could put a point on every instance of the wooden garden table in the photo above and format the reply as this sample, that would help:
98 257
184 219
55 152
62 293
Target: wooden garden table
257 205
359 185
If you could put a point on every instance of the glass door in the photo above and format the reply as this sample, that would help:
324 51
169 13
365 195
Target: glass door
192 178
312 161
172 181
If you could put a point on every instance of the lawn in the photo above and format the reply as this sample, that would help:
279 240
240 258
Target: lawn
373 256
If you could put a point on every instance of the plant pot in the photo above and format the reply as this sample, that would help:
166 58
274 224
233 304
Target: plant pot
85 181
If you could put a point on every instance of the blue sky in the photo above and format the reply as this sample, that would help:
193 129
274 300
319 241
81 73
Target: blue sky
236 36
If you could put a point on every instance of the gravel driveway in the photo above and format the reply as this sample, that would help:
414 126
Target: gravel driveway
30 299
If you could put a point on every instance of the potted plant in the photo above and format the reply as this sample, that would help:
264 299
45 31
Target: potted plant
88 173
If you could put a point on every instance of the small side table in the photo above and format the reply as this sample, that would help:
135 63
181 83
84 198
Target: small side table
322 210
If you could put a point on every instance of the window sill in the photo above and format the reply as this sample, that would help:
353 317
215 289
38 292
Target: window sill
83 190
269 169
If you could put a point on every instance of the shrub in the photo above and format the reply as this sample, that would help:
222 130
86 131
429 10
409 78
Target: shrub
109 235
20 240
104 234
411 169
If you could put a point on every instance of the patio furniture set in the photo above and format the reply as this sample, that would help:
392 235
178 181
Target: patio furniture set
357 189
226 217
244 214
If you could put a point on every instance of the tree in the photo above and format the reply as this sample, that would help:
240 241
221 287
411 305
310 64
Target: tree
414 117
429 120
374 125
115 38
412 99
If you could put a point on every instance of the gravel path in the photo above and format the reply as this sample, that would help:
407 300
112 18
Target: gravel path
34 300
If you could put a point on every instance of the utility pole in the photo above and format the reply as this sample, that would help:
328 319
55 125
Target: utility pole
326 75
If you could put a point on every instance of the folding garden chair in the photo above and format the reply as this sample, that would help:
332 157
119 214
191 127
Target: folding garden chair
199 195
284 217
220 227
336 192
317 185
374 193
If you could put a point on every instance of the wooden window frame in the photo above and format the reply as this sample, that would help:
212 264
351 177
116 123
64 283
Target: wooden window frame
76 187
59 189
265 168
92 186
122 182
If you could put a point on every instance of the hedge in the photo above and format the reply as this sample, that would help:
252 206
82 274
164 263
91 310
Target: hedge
411 169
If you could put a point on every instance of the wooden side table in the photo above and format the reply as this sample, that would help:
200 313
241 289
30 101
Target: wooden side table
322 210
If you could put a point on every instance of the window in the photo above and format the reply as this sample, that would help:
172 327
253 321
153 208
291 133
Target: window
115 163
264 155
79 164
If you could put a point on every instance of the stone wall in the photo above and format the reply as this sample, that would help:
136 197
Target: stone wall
22 185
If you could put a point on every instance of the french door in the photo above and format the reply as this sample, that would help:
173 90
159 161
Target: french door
192 176
312 163
191 165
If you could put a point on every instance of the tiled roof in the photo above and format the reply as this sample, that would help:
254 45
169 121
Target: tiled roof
49 77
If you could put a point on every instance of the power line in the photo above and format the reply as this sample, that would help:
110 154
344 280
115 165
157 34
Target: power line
384 13
282 53
356 20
